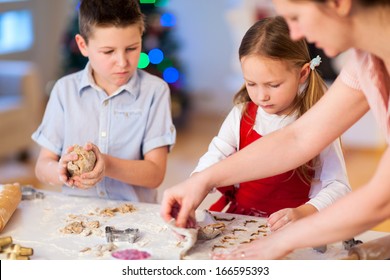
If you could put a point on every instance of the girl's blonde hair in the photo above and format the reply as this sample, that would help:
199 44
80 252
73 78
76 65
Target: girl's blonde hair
270 38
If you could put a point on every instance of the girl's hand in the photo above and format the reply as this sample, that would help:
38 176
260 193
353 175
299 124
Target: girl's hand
282 218
285 216
90 179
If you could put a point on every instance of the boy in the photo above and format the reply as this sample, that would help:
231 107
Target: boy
121 112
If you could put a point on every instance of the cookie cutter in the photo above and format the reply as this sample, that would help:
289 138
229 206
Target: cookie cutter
348 244
129 234
30 193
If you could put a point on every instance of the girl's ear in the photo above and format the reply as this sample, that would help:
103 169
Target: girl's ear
341 7
305 71
82 45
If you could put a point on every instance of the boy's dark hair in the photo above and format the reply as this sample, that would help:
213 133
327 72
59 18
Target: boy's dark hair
105 13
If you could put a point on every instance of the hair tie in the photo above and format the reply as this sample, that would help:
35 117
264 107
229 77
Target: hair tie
315 62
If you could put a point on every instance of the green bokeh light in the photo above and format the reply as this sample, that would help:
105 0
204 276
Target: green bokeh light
147 1
143 60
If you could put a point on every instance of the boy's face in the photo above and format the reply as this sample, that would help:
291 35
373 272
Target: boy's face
113 53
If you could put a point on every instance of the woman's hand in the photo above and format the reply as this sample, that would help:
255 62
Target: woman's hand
264 248
180 201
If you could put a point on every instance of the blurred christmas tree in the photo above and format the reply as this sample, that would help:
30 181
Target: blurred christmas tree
158 54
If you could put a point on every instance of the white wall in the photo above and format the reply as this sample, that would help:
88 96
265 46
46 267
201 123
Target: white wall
205 49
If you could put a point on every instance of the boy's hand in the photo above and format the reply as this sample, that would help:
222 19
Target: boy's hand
90 179
63 173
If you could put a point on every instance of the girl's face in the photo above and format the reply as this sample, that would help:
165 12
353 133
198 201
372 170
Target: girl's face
320 23
272 84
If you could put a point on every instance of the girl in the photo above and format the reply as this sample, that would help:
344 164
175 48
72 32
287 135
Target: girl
280 85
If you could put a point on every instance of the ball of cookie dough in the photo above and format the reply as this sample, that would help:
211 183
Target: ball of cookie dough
85 162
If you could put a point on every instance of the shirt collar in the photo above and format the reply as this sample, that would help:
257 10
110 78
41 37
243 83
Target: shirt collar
132 87
86 79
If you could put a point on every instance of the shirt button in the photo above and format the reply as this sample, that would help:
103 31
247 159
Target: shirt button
102 194
104 134
105 103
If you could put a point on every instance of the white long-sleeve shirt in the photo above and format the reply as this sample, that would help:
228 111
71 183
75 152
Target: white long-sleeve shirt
330 179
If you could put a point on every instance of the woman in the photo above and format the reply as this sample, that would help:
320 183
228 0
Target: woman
364 83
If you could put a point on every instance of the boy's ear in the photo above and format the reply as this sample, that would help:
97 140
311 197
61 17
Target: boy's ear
305 71
82 45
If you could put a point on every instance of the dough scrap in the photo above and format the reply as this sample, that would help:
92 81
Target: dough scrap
125 208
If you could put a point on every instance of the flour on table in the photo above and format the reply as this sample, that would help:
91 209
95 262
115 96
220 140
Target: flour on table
99 250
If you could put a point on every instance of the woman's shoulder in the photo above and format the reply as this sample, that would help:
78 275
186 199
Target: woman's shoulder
360 68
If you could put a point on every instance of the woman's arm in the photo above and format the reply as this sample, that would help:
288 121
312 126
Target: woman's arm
275 153
295 144
358 211
330 183
332 180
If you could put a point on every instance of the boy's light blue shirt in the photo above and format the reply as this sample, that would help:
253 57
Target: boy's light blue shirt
133 121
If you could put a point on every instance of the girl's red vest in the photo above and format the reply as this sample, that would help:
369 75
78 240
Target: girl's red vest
264 196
